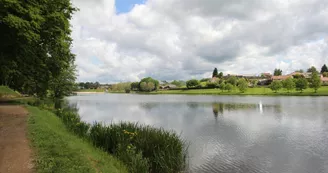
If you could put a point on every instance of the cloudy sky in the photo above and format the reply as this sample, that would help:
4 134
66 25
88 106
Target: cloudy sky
126 40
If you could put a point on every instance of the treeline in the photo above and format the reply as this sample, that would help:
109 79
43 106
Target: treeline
35 47
88 85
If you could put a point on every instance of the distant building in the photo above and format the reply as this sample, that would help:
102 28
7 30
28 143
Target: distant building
324 80
169 86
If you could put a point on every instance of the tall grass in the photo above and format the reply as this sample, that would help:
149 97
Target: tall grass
142 148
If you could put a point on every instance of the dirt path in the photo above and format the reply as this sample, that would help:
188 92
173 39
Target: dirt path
15 153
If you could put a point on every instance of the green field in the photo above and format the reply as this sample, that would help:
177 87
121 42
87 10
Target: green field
58 150
323 91
7 92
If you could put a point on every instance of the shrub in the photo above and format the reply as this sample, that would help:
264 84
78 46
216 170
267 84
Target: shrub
211 84
148 80
228 87
289 84
242 85
275 86
193 83
301 84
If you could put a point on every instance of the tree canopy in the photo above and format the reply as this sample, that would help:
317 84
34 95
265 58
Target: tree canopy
312 69
324 69
277 72
35 45
215 72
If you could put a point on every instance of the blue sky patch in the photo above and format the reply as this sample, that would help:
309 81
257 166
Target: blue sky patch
123 6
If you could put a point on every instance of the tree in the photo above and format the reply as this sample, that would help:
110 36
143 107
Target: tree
222 86
312 69
325 74
300 71
215 72
193 83
134 86
143 86
324 69
275 86
315 81
228 87
242 85
149 79
35 44
150 86
232 80
220 75
277 72
210 84
178 83
301 84
289 84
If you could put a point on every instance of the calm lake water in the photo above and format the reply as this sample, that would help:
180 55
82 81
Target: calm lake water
228 133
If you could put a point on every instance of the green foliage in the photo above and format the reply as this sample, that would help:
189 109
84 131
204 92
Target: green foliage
315 81
58 150
178 83
220 75
277 72
325 74
134 86
121 87
289 84
205 80
222 86
229 87
312 69
215 72
232 80
151 84
7 92
324 69
211 84
242 85
89 85
35 44
275 86
193 83
301 84
141 148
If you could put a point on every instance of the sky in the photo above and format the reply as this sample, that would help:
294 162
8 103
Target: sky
127 40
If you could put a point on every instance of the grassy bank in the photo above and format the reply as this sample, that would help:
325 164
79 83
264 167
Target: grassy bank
6 92
57 150
142 148
323 91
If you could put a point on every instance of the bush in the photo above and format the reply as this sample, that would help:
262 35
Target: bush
242 85
301 84
275 86
193 83
228 87
152 84
211 84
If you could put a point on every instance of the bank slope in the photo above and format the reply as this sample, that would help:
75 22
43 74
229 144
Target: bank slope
57 150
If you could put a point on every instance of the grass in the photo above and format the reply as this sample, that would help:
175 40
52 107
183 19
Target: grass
58 150
7 92
323 91
142 148
92 90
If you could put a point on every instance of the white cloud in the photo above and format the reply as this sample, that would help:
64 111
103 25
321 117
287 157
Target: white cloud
182 39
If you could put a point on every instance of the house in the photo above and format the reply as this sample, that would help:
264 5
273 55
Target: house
169 86
266 75
284 77
324 80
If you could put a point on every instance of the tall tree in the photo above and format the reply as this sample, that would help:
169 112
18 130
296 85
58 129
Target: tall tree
215 72
315 81
312 69
324 69
275 86
35 43
277 72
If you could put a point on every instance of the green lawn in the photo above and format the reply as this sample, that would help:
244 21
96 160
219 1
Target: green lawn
58 151
7 92
323 91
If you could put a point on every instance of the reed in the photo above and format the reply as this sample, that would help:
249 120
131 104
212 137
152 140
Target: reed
142 148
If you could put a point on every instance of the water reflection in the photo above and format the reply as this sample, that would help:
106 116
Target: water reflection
229 134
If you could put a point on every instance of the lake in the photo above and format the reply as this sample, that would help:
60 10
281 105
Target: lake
228 133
